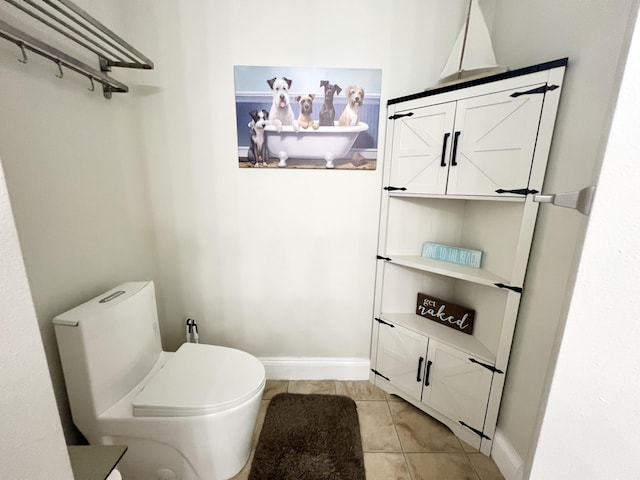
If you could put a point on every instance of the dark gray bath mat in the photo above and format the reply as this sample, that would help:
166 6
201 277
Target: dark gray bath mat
309 437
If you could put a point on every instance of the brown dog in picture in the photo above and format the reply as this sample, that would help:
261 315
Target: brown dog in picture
306 109
355 97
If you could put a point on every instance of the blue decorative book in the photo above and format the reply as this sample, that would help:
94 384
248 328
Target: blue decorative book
460 256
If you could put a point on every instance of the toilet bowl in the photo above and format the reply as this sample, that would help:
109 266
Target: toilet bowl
184 415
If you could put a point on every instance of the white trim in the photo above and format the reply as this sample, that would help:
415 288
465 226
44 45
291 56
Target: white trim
312 368
506 458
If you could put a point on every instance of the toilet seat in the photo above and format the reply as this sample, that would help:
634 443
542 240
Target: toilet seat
200 380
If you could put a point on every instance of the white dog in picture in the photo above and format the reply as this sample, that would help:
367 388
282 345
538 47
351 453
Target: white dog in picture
281 113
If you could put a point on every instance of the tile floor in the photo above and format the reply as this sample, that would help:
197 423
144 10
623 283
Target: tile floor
399 441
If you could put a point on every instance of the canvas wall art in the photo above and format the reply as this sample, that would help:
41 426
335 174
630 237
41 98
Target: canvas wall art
307 117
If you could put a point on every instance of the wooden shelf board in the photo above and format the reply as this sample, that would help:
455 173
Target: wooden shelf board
469 274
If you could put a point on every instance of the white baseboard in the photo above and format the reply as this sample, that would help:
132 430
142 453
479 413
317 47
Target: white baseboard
311 368
506 458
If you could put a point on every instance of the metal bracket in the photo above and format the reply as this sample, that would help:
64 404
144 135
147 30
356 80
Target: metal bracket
400 115
474 430
581 200
380 375
379 320
486 365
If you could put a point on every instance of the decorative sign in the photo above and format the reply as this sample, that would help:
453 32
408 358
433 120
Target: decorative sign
446 313
460 256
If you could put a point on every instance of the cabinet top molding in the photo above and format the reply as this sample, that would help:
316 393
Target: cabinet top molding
562 62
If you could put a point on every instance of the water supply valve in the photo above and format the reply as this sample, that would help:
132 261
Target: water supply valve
192 331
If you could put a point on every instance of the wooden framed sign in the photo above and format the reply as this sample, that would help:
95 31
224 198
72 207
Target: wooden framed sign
446 313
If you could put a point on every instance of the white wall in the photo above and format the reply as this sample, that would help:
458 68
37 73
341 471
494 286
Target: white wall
280 263
594 35
590 426
277 262
32 444
77 185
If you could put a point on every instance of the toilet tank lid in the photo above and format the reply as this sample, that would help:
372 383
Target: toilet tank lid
200 379
91 308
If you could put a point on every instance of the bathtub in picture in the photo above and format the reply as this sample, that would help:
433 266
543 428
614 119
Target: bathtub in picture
323 143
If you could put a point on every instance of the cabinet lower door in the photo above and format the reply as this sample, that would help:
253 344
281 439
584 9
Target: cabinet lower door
401 357
457 387
495 136
421 145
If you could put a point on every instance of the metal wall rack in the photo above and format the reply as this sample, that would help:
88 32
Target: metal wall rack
75 24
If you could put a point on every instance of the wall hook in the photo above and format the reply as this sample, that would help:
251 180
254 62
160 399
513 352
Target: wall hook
24 53
93 87
61 74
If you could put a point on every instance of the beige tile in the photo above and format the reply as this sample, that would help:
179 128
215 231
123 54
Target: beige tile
324 387
419 432
262 412
391 397
360 390
440 466
385 466
485 467
468 448
274 387
376 427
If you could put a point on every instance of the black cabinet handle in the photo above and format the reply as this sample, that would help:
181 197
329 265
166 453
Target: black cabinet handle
455 149
426 373
444 149
418 379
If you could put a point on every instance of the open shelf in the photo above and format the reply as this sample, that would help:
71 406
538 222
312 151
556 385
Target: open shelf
460 272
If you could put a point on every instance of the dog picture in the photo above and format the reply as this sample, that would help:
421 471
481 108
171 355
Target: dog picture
306 108
281 113
350 116
258 152
328 112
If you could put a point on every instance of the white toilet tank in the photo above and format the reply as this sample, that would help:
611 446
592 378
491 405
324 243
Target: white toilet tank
107 346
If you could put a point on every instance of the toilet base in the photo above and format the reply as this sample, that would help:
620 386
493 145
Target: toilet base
210 447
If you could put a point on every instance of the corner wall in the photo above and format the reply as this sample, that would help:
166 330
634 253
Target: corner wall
594 34
589 429
32 444
77 182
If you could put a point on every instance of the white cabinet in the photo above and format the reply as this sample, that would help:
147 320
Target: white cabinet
444 378
461 166
472 146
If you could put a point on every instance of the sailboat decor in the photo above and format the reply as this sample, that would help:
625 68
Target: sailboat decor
472 55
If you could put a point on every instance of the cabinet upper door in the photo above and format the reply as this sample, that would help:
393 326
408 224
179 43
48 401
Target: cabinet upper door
401 356
420 149
458 387
496 142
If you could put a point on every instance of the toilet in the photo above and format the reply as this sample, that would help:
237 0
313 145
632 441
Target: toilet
183 416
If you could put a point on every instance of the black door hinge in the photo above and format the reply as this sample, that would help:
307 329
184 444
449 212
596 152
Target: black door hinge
509 287
474 430
400 115
541 89
379 320
486 365
518 191
380 375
